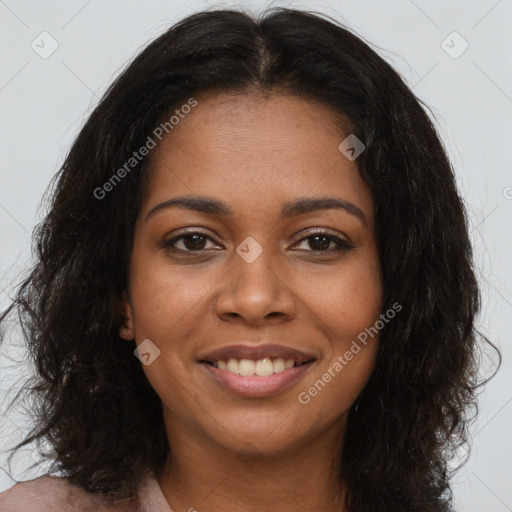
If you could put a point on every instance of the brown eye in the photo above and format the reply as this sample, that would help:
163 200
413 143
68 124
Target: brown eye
193 241
321 242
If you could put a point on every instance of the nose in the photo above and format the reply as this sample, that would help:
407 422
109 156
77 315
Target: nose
255 293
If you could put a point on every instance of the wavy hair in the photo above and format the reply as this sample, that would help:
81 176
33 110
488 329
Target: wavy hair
93 402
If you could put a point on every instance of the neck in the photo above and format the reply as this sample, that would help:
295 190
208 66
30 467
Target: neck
201 475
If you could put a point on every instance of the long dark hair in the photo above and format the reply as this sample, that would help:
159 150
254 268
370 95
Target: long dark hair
94 403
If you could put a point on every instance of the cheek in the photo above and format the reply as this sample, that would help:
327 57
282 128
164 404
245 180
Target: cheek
165 296
347 301
346 306
167 302
356 304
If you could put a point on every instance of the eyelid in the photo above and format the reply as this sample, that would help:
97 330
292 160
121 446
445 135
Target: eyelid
341 245
188 232
321 231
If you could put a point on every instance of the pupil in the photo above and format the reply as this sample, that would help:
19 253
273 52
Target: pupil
324 245
196 242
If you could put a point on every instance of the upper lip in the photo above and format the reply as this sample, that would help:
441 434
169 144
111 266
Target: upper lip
255 352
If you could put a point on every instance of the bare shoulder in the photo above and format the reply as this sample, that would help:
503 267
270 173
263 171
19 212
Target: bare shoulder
54 494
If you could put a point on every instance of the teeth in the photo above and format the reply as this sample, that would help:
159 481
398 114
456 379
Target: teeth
246 367
280 365
232 366
262 367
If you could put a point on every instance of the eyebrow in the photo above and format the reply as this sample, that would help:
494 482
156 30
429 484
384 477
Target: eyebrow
212 206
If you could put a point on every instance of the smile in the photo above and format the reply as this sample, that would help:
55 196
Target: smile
261 367
251 385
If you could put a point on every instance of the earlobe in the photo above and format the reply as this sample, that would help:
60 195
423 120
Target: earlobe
126 330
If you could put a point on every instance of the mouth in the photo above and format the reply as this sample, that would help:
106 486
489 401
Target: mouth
261 367
256 371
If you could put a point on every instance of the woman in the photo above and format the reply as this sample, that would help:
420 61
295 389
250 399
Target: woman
254 288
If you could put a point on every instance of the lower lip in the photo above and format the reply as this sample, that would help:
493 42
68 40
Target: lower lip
256 386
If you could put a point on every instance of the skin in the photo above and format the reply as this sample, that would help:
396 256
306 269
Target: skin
254 153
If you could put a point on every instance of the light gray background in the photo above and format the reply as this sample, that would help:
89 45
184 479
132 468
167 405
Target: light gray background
43 103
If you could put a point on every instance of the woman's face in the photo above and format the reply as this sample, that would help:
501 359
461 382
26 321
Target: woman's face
247 277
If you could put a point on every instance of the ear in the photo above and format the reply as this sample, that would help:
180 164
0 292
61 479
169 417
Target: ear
127 329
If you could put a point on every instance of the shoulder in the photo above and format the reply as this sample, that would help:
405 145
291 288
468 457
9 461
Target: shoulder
54 494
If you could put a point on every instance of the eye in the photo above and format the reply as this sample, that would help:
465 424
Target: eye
320 242
191 241
196 242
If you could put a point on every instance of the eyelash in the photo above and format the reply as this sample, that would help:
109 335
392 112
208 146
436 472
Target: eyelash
341 245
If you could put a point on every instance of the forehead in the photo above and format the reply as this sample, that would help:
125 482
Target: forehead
248 147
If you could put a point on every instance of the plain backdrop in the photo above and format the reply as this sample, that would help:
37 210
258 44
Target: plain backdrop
454 54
